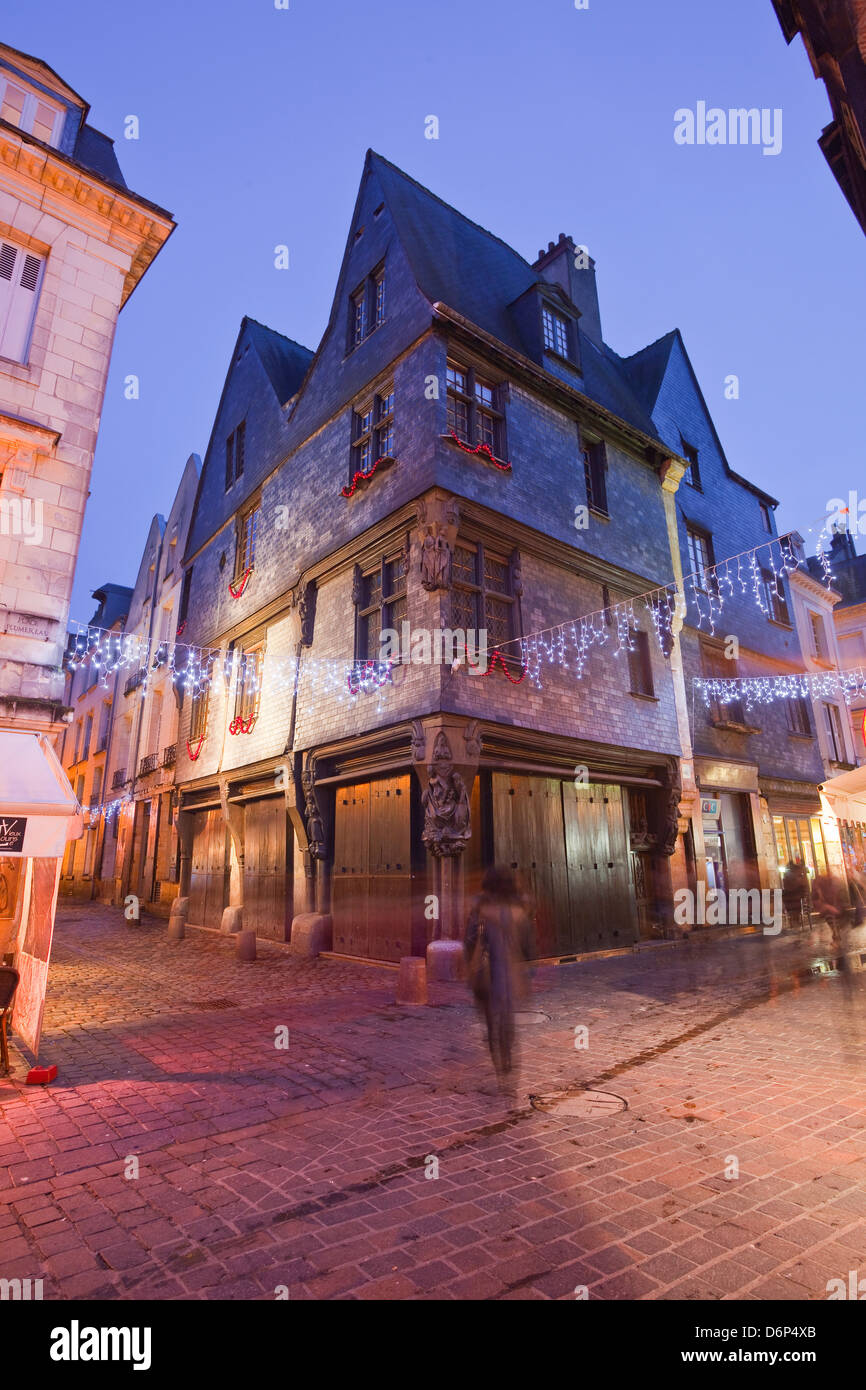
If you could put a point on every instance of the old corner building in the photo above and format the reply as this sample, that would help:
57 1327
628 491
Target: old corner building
464 452
74 243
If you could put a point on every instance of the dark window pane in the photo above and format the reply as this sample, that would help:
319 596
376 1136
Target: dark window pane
464 565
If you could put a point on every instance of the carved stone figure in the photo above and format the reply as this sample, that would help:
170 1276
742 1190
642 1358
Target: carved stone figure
435 561
670 812
313 816
472 739
307 612
446 810
419 741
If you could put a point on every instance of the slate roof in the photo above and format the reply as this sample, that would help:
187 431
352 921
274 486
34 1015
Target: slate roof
849 574
114 601
468 268
95 151
285 361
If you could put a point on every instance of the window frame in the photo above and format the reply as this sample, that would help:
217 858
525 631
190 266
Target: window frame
558 320
692 475
703 583
798 718
235 454
395 554
32 98
473 406
733 712
369 299
369 441
640 665
594 455
249 515
199 710
817 624
775 597
247 701
835 731
482 591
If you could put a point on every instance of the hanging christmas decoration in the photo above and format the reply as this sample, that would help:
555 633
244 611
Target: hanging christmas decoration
795 685
367 676
193 756
361 477
242 583
241 726
484 450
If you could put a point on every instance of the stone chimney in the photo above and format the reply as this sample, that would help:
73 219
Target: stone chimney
573 269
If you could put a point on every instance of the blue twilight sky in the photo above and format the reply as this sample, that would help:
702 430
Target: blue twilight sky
254 122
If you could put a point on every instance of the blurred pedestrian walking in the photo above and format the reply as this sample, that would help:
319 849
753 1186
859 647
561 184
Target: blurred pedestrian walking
497 945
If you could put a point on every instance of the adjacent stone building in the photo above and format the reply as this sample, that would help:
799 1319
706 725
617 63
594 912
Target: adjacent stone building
463 454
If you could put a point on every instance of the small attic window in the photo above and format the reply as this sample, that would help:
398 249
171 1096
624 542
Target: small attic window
29 110
379 209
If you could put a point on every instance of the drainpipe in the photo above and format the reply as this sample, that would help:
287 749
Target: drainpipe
108 745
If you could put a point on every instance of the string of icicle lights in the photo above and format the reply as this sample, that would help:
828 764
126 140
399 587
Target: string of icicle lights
766 690
567 645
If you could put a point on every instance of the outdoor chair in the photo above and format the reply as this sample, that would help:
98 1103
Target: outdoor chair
8 985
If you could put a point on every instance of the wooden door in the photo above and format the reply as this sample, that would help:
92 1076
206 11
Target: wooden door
351 869
371 900
599 868
528 837
207 888
267 874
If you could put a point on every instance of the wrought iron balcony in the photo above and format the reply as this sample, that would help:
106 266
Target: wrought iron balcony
169 755
118 779
148 764
135 681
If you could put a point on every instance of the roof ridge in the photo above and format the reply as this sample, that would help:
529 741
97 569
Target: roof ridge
671 333
276 332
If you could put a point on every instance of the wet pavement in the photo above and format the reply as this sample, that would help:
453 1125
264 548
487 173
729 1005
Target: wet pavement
225 1130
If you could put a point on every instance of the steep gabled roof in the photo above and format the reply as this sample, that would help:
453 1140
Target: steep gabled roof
646 369
284 360
458 263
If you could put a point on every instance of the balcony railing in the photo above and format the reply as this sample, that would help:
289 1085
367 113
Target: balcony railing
169 755
135 681
102 742
148 764
118 779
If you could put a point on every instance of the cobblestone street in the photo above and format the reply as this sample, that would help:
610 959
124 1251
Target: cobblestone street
312 1167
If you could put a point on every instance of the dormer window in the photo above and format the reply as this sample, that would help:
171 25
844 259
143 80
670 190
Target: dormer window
555 330
367 307
29 110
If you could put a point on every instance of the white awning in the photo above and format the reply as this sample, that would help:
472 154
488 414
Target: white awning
851 783
38 809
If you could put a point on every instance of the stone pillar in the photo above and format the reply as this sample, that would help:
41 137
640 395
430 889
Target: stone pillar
445 753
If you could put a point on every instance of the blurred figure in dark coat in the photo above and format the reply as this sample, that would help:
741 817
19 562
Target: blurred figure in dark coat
795 892
497 945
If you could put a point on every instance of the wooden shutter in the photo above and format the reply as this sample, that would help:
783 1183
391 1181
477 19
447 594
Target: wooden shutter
20 278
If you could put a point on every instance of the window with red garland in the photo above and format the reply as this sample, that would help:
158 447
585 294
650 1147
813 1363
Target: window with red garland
248 526
248 688
380 603
474 408
373 431
483 594
200 703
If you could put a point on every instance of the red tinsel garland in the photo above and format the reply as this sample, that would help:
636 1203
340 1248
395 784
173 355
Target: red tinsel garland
239 726
484 449
194 755
236 593
497 656
363 477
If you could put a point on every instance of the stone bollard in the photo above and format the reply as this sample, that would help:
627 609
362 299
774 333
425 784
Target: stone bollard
177 919
412 981
311 933
445 960
232 920
245 945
